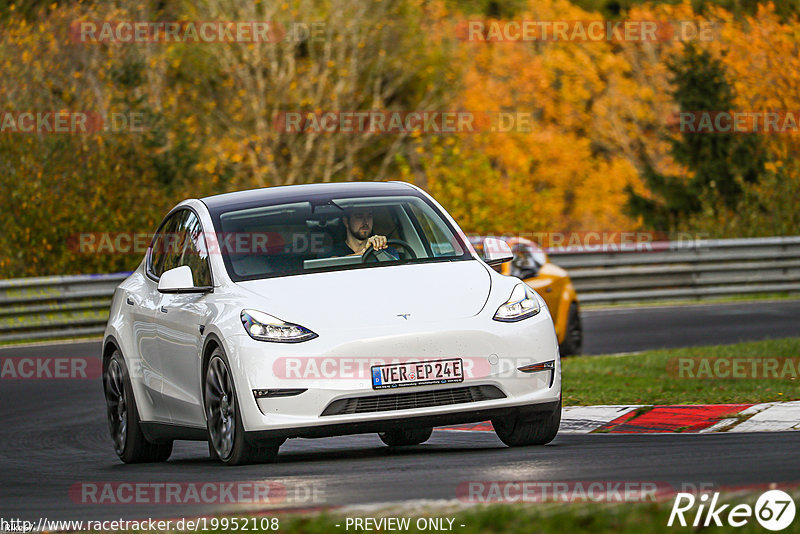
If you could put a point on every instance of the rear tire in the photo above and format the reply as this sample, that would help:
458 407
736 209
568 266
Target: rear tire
515 432
224 421
405 437
123 418
573 338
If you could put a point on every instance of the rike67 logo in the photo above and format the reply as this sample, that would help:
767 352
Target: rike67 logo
774 510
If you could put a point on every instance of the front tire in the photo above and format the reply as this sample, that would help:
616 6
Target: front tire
516 432
405 437
123 418
224 421
573 338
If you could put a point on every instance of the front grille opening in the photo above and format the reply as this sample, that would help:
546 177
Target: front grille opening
408 401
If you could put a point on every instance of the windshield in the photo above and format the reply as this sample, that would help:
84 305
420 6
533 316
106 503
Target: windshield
324 234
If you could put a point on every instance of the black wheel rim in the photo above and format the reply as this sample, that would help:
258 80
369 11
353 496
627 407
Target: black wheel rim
117 405
220 407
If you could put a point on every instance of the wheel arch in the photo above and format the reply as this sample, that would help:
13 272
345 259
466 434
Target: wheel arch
110 344
211 342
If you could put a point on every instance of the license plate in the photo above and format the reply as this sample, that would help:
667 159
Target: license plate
398 375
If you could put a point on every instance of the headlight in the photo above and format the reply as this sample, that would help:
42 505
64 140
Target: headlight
264 327
521 305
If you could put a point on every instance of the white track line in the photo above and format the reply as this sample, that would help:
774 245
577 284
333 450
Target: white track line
771 417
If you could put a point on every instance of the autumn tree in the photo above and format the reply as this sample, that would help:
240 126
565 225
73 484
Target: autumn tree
719 164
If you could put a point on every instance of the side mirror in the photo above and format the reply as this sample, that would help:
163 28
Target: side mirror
496 251
179 280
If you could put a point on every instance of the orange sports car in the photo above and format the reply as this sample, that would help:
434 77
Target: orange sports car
531 265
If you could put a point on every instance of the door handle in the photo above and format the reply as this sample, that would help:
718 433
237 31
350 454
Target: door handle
130 301
164 309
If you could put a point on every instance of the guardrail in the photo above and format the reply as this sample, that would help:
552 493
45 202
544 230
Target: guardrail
77 306
699 269
56 306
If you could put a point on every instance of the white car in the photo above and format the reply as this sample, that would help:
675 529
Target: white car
252 319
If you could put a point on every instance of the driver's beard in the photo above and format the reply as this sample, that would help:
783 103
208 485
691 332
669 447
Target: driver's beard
361 233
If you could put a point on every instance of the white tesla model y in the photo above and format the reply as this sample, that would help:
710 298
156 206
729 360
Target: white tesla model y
322 310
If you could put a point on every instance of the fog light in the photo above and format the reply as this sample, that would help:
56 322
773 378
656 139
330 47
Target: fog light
549 365
272 393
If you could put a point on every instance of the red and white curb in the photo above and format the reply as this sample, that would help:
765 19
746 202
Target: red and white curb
688 418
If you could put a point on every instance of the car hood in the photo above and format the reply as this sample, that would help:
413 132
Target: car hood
376 296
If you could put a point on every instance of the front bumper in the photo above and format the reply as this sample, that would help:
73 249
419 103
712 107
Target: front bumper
336 366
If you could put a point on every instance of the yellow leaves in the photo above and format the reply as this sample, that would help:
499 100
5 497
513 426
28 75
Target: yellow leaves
210 165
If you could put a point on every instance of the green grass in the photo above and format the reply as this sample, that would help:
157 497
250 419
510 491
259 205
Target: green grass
642 378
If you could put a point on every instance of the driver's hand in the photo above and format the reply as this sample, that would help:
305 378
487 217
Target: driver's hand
378 242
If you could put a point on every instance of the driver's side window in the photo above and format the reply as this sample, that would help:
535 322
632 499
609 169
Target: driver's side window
180 241
163 255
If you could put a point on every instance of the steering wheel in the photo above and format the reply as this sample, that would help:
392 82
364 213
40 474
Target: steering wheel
371 252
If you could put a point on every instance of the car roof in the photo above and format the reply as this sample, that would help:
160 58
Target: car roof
287 194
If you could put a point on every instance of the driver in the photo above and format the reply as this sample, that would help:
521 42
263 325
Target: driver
358 225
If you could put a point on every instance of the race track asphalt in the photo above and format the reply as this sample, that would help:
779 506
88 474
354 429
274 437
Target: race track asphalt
54 440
